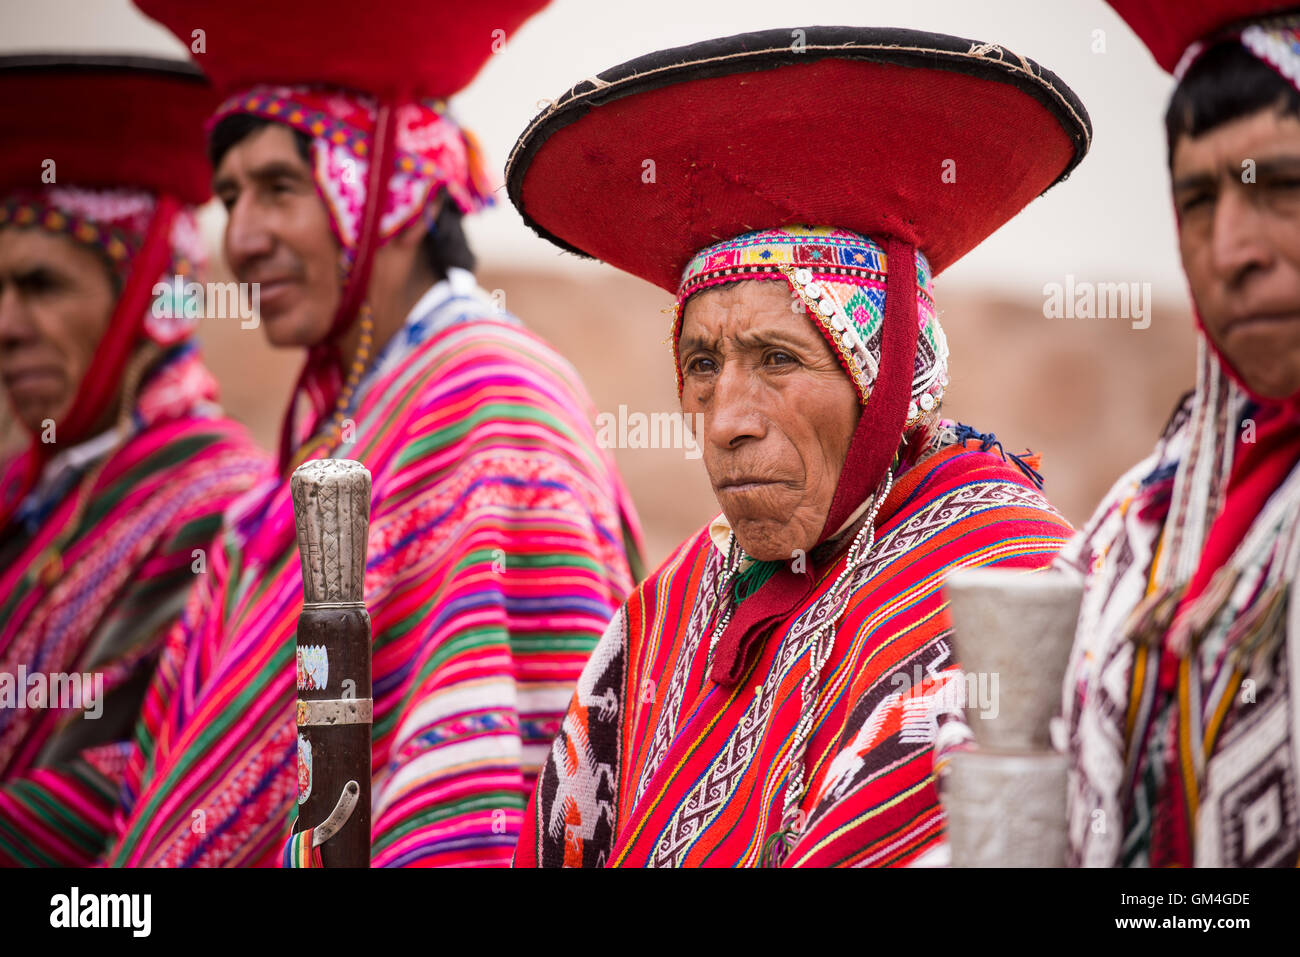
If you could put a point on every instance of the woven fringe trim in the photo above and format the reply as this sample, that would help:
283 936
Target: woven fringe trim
1261 629
1151 618
299 852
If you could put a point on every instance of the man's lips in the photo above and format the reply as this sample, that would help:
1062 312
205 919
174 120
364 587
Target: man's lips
39 379
744 484
273 294
1260 319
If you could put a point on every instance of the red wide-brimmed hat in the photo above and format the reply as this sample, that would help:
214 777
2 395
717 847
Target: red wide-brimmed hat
1169 27
408 48
927 138
915 140
106 122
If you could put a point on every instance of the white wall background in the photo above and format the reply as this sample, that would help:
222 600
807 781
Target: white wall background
1110 221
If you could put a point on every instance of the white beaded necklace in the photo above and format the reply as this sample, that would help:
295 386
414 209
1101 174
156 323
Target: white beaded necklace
819 648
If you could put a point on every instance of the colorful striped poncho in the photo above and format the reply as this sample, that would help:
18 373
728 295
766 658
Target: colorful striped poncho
656 765
496 558
129 557
1180 705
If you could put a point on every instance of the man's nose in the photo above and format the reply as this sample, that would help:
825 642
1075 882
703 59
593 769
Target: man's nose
733 415
16 324
248 234
1239 244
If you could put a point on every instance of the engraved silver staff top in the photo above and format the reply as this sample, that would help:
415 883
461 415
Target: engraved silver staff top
331 507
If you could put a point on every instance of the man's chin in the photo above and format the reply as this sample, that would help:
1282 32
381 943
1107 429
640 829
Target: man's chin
35 424
36 416
1275 389
287 331
767 540
1263 374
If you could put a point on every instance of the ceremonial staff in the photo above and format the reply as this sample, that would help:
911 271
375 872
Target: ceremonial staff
1005 796
331 504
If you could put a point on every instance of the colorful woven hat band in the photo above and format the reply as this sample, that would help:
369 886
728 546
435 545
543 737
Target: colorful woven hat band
840 278
1274 41
432 153
114 223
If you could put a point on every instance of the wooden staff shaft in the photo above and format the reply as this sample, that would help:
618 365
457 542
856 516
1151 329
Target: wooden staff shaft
331 503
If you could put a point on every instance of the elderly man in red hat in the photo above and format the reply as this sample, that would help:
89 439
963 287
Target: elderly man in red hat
769 695
106 518
500 536
1182 716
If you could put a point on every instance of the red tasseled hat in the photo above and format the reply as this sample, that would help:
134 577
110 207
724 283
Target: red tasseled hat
397 51
1169 27
408 48
850 127
85 113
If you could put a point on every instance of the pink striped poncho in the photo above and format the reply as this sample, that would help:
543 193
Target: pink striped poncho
127 562
496 558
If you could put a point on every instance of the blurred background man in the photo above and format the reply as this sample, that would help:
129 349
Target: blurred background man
1180 698
501 538
106 515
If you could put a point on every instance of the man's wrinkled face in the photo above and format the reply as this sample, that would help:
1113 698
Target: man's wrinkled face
1237 192
56 299
778 413
278 235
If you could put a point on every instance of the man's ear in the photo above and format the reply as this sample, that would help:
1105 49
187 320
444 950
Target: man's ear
414 234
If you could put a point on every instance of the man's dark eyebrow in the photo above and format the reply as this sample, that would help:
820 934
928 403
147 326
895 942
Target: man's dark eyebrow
1194 181
1278 164
266 173
38 273
750 338
1273 166
694 342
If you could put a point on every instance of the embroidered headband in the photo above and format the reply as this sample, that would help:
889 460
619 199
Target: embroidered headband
839 277
1274 41
114 222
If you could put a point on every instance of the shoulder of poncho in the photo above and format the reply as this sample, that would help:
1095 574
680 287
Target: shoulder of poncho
681 559
482 357
219 430
211 441
486 403
490 340
198 468
957 466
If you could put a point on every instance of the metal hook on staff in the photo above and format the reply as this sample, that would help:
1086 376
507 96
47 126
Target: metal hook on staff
339 816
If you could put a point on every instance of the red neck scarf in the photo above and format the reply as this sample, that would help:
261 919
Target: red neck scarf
875 443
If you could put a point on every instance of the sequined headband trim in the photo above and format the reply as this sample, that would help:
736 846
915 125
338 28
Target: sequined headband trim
1274 41
839 277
